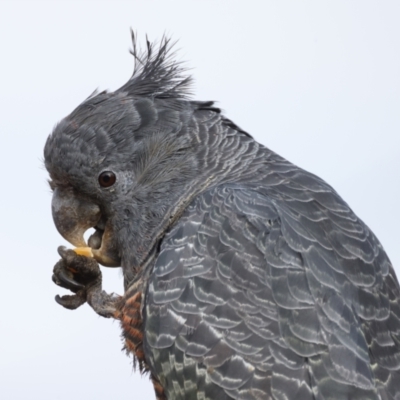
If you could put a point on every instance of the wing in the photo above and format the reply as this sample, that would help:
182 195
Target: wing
266 294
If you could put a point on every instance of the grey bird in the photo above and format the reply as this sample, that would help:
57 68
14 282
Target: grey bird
245 276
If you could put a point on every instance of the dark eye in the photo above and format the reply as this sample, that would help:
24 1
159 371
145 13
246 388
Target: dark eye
107 179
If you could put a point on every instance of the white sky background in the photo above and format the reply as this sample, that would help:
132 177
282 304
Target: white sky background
316 81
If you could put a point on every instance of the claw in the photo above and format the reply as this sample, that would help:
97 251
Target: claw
67 255
71 302
66 280
62 250
55 280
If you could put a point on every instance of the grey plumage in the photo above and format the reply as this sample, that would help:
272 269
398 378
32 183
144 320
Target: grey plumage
257 281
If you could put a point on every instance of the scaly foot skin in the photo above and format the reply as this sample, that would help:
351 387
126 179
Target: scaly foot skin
82 276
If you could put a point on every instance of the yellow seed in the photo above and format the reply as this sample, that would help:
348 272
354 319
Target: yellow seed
84 251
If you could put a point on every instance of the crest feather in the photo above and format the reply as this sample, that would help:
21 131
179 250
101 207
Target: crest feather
157 73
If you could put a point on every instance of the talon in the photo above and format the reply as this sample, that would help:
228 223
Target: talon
68 255
71 302
62 251
70 282
55 280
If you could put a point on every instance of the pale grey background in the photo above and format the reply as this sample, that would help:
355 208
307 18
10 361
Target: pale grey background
316 81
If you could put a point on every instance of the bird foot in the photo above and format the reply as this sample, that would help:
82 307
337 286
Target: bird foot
82 276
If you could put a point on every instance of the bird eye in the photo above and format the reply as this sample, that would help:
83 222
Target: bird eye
107 179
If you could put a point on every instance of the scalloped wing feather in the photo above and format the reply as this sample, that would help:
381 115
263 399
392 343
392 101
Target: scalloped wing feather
273 292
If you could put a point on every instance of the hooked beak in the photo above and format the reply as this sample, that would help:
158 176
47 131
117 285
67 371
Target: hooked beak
73 215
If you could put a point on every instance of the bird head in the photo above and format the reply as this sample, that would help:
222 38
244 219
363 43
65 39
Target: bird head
124 162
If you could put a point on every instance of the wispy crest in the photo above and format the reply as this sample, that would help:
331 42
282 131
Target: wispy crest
157 73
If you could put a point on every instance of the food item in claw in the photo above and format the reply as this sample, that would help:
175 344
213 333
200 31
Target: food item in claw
84 251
